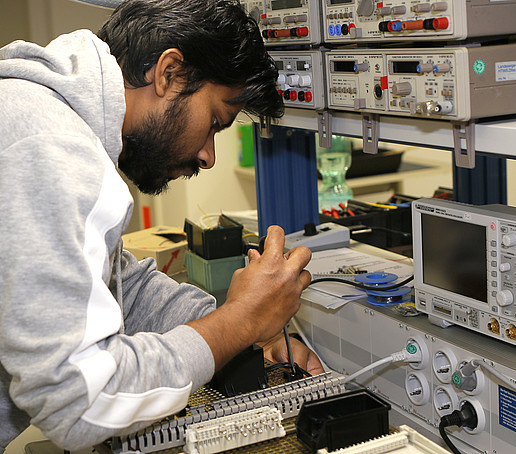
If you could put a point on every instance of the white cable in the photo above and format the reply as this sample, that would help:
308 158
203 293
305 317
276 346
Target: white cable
362 371
307 343
479 363
403 355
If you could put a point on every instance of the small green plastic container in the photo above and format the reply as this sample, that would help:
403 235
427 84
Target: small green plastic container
246 145
212 275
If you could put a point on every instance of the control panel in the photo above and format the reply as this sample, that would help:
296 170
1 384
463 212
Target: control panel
287 22
357 80
372 20
301 80
455 83
465 263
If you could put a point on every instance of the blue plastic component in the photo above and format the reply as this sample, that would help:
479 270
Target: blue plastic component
375 279
338 29
400 291
396 26
418 68
331 30
286 179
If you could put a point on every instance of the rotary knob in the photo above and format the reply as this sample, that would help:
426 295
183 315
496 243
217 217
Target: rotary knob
383 11
504 298
425 68
401 89
293 80
365 8
439 6
509 239
361 67
305 81
504 267
396 10
421 8
442 68
282 79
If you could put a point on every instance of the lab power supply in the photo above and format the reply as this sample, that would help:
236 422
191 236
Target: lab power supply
453 83
334 22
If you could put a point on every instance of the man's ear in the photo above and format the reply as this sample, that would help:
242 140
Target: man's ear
165 69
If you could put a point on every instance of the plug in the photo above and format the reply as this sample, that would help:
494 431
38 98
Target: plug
465 377
465 417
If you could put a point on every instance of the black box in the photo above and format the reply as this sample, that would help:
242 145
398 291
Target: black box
390 229
224 240
243 374
340 421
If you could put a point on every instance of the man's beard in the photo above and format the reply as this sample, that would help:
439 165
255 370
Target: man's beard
154 149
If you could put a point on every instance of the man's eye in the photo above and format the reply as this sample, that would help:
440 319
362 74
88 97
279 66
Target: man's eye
215 124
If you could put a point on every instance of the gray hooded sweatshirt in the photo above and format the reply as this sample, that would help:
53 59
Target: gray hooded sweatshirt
93 343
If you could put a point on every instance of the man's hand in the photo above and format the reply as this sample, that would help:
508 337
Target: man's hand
275 350
262 297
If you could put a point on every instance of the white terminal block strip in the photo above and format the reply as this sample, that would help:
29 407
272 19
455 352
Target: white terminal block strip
319 238
346 21
287 399
454 83
234 431
405 441
301 78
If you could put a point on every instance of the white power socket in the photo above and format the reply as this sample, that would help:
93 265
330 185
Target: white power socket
319 238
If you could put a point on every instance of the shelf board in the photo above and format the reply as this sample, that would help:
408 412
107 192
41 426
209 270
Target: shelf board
493 137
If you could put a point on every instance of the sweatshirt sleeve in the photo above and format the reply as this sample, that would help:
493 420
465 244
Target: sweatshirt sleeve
73 373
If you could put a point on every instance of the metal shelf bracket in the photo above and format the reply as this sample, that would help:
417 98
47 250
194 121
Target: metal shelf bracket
370 132
324 128
464 131
265 127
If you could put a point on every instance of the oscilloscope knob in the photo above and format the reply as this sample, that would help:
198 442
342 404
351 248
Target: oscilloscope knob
504 298
509 239
504 267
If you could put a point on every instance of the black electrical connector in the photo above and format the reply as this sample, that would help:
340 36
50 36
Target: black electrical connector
465 417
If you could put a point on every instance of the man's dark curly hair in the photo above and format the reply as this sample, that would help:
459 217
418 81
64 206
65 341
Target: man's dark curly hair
219 43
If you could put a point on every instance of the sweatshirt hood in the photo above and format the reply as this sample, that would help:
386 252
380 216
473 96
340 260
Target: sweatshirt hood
78 59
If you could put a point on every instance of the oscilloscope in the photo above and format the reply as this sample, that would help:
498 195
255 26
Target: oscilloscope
465 265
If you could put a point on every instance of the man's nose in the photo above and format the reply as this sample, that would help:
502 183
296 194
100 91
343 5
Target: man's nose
206 155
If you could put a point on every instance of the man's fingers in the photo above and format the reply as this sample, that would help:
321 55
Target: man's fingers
275 241
253 254
305 277
300 255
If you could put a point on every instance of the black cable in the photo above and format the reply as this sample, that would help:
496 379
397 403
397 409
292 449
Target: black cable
465 417
445 438
362 286
287 365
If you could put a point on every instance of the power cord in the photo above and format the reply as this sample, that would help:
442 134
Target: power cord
360 285
470 368
411 354
465 417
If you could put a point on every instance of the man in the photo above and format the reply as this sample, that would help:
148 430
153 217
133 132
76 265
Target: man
93 343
